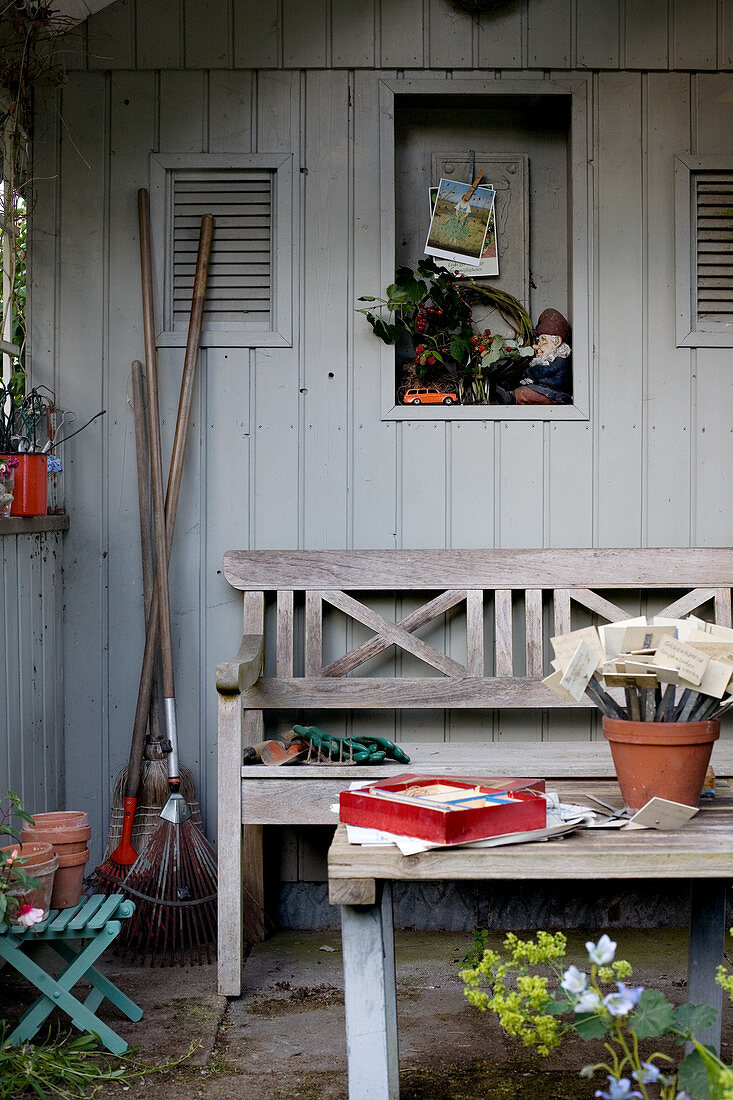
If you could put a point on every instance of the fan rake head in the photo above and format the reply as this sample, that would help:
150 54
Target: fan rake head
174 886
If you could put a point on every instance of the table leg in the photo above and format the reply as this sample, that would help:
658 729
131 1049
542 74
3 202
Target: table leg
370 997
707 944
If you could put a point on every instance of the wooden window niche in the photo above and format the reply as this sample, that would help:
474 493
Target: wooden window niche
531 139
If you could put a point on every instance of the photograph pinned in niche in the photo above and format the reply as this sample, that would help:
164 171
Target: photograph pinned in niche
460 222
489 264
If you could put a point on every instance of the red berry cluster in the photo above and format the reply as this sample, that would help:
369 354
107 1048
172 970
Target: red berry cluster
478 343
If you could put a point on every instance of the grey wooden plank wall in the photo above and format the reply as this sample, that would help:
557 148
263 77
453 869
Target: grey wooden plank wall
31 670
287 448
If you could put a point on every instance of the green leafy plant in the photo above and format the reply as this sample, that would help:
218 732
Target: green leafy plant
15 882
432 309
67 1067
598 1003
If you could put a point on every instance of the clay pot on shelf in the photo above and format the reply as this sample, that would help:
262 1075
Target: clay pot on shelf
68 832
660 759
41 863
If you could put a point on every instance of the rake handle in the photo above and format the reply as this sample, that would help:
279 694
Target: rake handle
174 481
146 534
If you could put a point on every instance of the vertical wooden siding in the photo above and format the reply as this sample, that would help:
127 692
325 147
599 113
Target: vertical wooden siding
287 447
31 675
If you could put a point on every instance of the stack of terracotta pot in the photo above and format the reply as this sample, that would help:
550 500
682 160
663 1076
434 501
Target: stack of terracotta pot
68 831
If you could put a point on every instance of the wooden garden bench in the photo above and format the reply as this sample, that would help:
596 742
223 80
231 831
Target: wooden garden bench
479 622
91 926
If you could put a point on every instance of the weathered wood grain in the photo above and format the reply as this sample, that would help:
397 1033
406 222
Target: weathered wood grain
700 850
424 569
407 623
230 848
284 661
503 640
423 692
313 634
394 633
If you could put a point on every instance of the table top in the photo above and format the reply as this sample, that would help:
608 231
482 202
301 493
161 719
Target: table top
703 848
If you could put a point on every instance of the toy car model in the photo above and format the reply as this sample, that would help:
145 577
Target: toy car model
429 395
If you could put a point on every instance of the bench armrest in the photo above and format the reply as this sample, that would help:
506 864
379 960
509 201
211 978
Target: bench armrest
233 677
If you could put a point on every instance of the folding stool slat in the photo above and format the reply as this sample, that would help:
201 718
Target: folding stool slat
105 912
86 912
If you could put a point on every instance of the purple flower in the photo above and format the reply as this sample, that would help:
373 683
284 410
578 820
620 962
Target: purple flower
602 952
617 1004
619 1088
633 993
648 1074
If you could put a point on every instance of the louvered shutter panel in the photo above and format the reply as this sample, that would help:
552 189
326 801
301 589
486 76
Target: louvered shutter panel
714 246
249 292
239 289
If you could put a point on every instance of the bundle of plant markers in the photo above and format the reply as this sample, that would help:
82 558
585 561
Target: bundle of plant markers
661 670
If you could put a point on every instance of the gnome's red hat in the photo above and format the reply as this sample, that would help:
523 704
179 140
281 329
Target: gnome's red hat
552 323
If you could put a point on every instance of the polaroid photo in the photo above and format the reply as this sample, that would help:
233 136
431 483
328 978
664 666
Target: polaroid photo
489 264
459 225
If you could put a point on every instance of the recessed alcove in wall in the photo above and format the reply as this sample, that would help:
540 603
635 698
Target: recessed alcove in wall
531 128
521 144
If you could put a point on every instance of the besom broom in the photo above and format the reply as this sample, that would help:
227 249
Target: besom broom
174 880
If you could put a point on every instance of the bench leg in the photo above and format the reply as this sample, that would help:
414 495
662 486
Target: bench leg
370 998
707 946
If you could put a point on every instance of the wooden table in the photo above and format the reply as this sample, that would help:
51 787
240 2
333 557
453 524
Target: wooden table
360 881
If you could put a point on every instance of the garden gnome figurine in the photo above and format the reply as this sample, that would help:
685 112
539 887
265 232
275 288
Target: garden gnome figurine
547 378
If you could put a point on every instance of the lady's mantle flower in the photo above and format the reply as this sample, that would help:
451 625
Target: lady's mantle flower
648 1074
602 952
28 916
574 980
619 1088
587 1002
621 1003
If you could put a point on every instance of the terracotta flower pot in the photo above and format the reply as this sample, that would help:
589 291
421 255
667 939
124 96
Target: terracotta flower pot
69 832
42 863
69 878
660 759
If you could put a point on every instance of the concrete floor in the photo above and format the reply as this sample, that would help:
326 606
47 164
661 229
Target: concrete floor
284 1037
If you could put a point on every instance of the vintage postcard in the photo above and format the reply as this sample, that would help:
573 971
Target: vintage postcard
489 264
459 224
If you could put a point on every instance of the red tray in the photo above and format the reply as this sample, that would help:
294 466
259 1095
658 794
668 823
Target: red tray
386 806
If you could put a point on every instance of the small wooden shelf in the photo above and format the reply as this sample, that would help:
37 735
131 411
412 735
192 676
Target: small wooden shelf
32 525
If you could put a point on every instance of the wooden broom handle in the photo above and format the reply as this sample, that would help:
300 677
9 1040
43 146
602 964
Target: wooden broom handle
156 453
171 503
146 533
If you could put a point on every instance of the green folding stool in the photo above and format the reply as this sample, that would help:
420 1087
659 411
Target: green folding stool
98 920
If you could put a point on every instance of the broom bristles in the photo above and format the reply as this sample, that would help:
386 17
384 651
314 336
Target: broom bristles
174 886
154 791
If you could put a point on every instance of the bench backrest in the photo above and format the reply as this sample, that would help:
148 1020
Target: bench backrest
502 606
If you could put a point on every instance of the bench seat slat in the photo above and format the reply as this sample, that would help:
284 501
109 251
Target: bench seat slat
422 692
